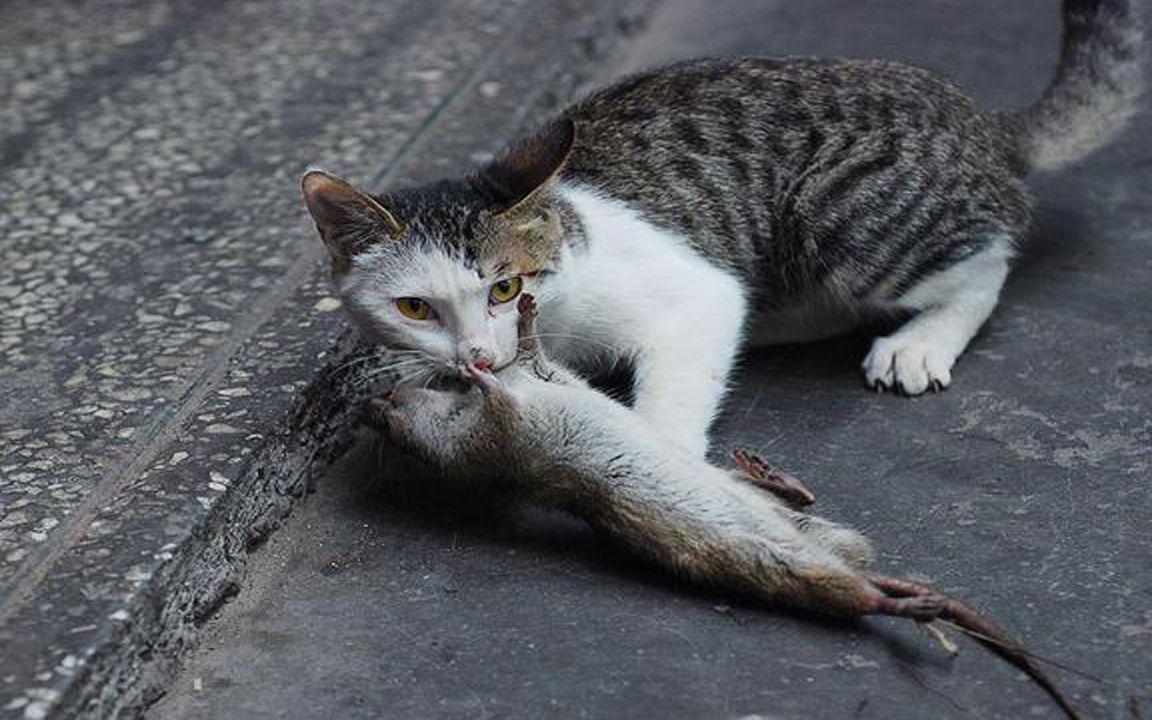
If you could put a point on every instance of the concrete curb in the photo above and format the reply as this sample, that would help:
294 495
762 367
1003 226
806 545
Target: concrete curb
274 404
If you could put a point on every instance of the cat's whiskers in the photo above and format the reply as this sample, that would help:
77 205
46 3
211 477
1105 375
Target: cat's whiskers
431 373
607 346
405 378
353 362
390 354
391 366
372 376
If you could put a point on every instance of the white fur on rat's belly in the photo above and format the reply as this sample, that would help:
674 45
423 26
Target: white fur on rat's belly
646 294
690 492
953 304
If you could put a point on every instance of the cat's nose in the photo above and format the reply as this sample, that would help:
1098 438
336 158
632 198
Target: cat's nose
483 364
478 356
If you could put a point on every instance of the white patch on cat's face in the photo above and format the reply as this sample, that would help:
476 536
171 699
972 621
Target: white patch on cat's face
463 326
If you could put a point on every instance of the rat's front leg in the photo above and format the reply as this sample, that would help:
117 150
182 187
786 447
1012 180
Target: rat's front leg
530 353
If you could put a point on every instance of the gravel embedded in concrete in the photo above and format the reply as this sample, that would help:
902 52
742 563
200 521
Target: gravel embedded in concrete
168 340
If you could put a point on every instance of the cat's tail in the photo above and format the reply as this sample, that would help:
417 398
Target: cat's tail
1096 89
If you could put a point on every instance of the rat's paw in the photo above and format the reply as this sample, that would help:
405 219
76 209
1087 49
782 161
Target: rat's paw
374 413
907 365
922 608
388 411
529 341
527 306
757 471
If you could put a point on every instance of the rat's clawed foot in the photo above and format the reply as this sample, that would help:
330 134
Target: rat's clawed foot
372 413
922 608
526 326
527 307
376 410
758 472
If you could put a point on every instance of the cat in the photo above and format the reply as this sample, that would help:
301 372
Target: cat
677 215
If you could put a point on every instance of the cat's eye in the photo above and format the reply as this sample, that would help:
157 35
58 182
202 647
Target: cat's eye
414 307
505 290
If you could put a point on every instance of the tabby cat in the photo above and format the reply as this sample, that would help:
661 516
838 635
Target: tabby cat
670 218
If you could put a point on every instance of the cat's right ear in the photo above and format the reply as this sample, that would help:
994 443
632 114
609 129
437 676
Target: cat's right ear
522 171
348 220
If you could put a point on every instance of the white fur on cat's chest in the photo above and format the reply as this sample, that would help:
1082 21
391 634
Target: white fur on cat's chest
634 286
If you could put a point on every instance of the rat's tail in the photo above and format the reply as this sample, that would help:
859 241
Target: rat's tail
1096 89
985 631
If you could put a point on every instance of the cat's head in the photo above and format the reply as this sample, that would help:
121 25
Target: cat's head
438 268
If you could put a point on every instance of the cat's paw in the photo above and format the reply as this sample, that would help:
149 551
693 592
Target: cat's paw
907 365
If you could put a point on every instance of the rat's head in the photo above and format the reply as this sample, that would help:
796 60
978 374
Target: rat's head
421 419
460 430
438 269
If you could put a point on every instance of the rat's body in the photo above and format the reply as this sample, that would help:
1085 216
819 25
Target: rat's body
563 445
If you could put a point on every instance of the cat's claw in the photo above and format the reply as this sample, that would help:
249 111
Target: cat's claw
907 366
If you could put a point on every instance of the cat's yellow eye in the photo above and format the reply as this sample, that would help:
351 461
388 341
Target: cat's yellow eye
414 307
505 290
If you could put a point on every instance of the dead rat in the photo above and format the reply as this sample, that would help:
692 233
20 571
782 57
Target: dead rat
554 440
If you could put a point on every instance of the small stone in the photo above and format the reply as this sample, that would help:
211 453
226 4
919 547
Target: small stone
428 76
70 220
14 519
134 394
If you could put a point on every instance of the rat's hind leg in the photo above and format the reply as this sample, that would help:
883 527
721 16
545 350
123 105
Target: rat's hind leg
952 306
843 542
842 593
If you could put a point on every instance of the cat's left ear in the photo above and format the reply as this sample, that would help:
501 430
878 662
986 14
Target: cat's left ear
346 218
521 172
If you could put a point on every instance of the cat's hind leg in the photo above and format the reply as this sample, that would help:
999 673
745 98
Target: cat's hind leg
952 305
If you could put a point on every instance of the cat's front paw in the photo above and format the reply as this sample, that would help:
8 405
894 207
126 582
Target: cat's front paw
907 365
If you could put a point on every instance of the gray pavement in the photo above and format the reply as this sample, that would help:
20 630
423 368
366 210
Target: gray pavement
1023 489
169 353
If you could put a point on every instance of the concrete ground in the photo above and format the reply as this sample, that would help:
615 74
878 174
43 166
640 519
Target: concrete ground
1023 489
172 365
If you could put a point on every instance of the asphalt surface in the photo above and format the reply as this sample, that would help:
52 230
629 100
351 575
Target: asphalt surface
1023 489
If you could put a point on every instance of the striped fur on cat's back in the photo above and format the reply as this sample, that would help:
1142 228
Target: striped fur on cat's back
858 176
